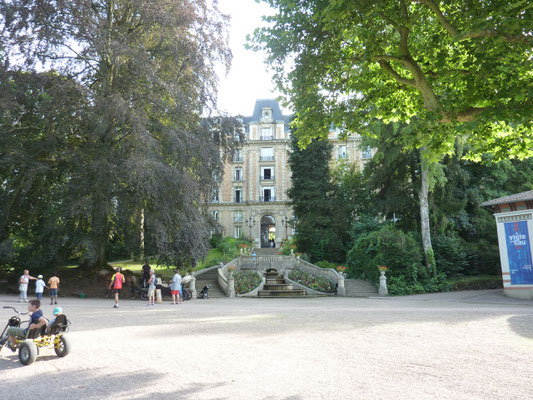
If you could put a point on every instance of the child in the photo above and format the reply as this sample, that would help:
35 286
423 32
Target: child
152 282
117 281
54 287
39 287
37 320
57 312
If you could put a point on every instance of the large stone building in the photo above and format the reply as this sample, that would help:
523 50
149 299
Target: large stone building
252 198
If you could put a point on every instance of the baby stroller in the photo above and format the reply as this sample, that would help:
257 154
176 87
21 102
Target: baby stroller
204 293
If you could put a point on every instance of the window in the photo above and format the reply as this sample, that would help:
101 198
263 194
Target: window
238 174
215 215
267 154
268 195
237 216
267 173
237 156
215 196
366 153
266 134
238 195
237 232
341 152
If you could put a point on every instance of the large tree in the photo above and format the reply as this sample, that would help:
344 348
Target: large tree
321 226
456 67
462 64
139 156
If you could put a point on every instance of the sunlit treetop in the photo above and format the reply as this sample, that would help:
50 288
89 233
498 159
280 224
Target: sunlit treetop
456 67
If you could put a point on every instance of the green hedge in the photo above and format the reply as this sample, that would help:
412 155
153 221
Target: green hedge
476 282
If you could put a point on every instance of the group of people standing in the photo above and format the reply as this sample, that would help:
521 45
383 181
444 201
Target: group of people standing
150 281
40 285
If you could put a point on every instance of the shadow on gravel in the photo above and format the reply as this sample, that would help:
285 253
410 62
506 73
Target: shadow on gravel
522 325
9 361
93 385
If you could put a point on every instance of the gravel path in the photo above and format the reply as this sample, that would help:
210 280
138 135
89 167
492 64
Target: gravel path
465 345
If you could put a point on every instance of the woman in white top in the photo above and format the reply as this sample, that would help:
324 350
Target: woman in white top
24 281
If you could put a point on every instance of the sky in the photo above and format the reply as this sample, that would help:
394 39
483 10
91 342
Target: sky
249 79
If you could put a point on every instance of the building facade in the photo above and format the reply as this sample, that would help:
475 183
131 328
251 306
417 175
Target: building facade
251 201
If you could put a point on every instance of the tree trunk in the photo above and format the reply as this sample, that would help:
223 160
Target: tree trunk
139 256
429 256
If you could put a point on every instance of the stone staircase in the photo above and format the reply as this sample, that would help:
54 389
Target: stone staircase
359 288
210 277
275 286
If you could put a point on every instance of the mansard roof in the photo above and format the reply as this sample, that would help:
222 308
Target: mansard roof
267 103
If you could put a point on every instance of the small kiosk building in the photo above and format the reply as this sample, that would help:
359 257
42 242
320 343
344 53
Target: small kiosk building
514 221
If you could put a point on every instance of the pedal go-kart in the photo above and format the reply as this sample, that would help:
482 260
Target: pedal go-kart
43 337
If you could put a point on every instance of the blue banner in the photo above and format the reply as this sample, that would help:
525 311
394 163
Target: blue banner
519 253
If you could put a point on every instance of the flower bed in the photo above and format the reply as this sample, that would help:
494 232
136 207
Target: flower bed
312 281
246 281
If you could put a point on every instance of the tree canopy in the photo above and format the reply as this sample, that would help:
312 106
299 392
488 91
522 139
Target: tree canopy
102 125
461 67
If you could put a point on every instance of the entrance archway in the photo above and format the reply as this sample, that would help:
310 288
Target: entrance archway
268 231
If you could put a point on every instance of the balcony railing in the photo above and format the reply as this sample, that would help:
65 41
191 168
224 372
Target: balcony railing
238 179
237 219
267 178
267 199
238 159
267 137
266 158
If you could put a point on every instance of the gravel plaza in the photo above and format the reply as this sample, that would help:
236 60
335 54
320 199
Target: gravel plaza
462 345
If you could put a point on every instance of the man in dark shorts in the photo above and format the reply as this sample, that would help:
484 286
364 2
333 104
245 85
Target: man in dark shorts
146 273
37 320
117 281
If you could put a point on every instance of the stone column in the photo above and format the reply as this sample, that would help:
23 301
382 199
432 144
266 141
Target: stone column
192 285
341 290
383 291
231 284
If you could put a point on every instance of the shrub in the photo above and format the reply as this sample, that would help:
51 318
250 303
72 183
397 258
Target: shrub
229 247
215 240
387 246
451 254
246 281
312 281
398 286
401 286
287 246
326 264
476 282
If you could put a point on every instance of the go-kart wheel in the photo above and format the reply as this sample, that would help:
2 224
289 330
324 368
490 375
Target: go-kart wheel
27 352
63 348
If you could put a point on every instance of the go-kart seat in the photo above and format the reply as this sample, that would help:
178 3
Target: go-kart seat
59 325
36 332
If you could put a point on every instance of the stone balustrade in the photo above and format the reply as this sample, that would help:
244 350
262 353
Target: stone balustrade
260 264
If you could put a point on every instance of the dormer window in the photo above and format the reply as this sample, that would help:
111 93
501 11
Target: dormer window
266 114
